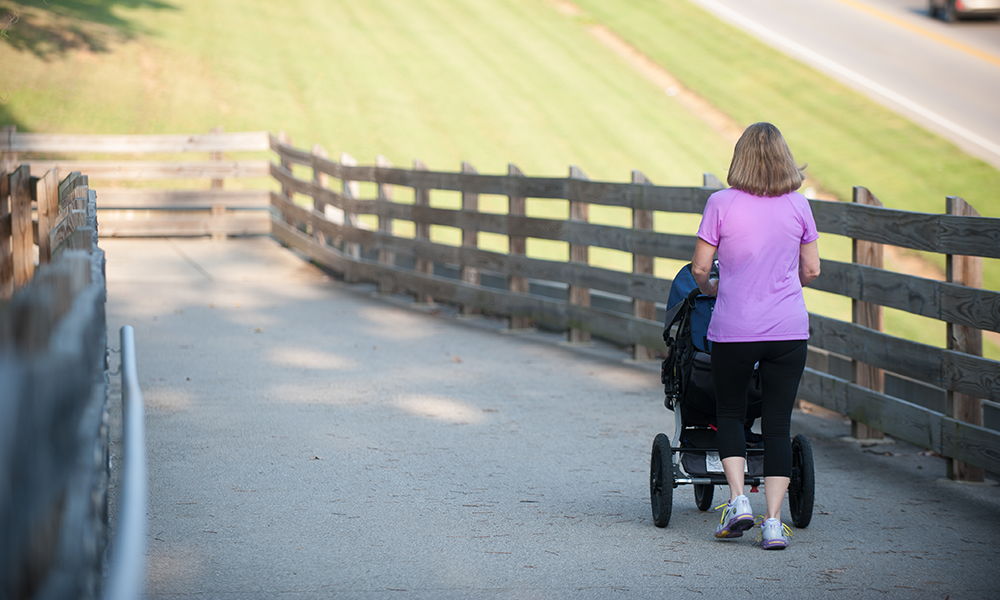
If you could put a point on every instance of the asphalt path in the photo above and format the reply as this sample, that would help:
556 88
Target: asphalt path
944 76
309 439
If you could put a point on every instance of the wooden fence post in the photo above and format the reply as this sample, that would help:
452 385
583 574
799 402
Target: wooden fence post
350 190
642 220
578 253
422 231
48 209
320 180
867 315
217 218
517 246
968 271
285 163
6 260
470 236
384 196
216 184
709 180
22 240
8 158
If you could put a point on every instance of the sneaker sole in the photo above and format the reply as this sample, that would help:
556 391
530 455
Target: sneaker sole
774 545
735 527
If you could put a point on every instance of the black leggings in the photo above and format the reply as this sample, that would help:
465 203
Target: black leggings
781 364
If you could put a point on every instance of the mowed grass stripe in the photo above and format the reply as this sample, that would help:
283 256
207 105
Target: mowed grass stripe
846 138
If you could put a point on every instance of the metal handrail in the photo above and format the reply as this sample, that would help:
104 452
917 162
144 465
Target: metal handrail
128 561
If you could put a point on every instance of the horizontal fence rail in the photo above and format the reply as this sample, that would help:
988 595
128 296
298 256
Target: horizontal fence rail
323 221
155 197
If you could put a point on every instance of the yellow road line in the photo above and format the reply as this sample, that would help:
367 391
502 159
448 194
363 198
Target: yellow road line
927 33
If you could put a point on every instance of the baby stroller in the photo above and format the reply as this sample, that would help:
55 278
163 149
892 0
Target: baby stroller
692 456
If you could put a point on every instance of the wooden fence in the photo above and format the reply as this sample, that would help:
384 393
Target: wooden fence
142 197
53 431
321 220
927 395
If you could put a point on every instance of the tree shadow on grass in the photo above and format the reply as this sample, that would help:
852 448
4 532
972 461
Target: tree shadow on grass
51 28
6 117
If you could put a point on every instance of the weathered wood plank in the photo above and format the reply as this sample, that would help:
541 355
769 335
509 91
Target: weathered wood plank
470 236
182 224
579 253
287 154
642 220
22 239
904 420
868 315
517 246
650 243
146 170
946 234
942 368
385 256
48 209
422 232
350 192
216 184
6 259
247 141
157 199
967 271
936 299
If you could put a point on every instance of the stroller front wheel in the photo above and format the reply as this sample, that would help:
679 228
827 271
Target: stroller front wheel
661 480
703 495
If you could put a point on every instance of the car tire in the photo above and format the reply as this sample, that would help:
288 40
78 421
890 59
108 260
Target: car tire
949 14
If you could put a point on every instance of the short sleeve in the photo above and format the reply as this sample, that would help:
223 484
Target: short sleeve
710 222
809 232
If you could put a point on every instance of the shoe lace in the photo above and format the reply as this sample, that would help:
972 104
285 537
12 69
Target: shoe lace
722 507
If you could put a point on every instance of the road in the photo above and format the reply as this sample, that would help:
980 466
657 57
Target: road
309 439
944 76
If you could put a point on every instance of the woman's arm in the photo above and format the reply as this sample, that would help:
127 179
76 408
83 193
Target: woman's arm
701 266
808 263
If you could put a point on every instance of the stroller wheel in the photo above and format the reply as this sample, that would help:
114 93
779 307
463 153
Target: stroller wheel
661 480
802 488
703 495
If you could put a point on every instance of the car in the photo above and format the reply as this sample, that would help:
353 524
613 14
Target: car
952 10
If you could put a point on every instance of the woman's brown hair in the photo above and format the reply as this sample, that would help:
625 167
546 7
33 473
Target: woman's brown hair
762 163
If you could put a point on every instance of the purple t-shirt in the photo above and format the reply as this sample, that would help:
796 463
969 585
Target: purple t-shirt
760 296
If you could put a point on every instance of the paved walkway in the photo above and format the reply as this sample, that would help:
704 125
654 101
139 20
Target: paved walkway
310 440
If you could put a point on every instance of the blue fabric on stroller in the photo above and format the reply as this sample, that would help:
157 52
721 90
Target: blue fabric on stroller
686 372
682 287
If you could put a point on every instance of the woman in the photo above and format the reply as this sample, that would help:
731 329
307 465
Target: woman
765 236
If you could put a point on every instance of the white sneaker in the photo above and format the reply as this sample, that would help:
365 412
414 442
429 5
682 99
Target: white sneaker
774 535
736 518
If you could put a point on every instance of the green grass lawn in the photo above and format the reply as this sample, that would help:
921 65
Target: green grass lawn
489 82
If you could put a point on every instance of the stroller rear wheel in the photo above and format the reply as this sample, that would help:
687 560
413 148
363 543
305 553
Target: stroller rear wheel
661 480
802 488
703 495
